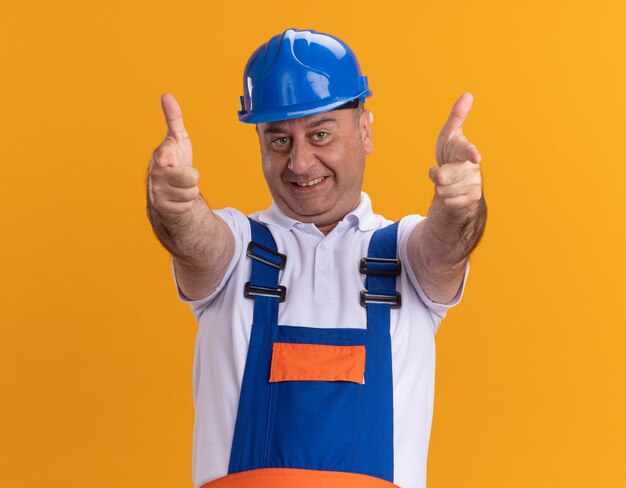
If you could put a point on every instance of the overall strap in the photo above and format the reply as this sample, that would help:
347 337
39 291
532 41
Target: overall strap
266 264
381 268
264 290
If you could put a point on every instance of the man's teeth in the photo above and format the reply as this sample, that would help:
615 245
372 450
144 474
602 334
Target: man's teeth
312 182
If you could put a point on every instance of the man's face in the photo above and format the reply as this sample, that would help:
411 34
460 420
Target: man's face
314 165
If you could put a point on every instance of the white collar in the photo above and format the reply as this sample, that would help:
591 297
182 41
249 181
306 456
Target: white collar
362 217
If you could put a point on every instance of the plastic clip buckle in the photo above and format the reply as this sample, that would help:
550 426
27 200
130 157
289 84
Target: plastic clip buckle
394 301
281 257
363 268
251 291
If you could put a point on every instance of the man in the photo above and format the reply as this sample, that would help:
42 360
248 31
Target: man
314 366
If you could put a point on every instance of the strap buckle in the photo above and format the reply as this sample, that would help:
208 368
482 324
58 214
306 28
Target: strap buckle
394 301
268 256
251 291
383 268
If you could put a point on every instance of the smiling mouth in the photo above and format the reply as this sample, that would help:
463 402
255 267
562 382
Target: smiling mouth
312 182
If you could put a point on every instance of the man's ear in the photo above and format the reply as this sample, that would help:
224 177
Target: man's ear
365 130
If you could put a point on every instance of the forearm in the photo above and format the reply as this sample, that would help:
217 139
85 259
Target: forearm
440 246
450 235
184 235
201 245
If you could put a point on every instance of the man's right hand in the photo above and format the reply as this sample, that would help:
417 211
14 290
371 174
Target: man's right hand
201 243
172 180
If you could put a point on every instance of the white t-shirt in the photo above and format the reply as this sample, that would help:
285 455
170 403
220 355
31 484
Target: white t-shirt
323 285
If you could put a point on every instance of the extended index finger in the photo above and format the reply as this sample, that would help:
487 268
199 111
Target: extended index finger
459 111
173 116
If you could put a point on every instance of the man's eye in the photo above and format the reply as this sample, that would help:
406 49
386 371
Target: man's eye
281 141
318 136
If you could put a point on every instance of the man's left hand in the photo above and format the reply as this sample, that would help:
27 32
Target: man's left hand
458 182
440 245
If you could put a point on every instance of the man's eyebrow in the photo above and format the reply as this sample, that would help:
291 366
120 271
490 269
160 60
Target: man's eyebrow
319 122
274 129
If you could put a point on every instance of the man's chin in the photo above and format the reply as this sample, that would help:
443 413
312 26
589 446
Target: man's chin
318 212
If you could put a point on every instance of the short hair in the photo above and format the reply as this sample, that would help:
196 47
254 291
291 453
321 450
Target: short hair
351 104
354 104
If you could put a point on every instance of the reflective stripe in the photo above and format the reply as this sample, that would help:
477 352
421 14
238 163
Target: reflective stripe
300 478
316 362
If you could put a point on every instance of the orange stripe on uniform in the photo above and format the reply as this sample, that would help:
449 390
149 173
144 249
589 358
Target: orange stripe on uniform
315 362
299 478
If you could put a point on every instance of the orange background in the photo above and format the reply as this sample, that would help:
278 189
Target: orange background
95 349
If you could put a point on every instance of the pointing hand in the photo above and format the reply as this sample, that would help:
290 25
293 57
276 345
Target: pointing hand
457 178
173 181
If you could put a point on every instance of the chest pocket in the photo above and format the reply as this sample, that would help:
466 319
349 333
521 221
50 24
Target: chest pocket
317 362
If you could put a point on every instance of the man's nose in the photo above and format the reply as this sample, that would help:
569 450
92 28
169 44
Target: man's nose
302 157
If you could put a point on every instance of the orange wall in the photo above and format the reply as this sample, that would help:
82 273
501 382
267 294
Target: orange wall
96 351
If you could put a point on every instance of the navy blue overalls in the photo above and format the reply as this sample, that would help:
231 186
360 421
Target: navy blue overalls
339 426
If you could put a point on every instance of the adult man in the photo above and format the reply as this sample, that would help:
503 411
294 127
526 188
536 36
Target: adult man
341 392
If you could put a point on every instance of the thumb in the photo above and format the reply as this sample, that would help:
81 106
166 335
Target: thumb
433 171
173 117
457 116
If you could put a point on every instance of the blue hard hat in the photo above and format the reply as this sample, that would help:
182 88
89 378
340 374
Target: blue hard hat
299 73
